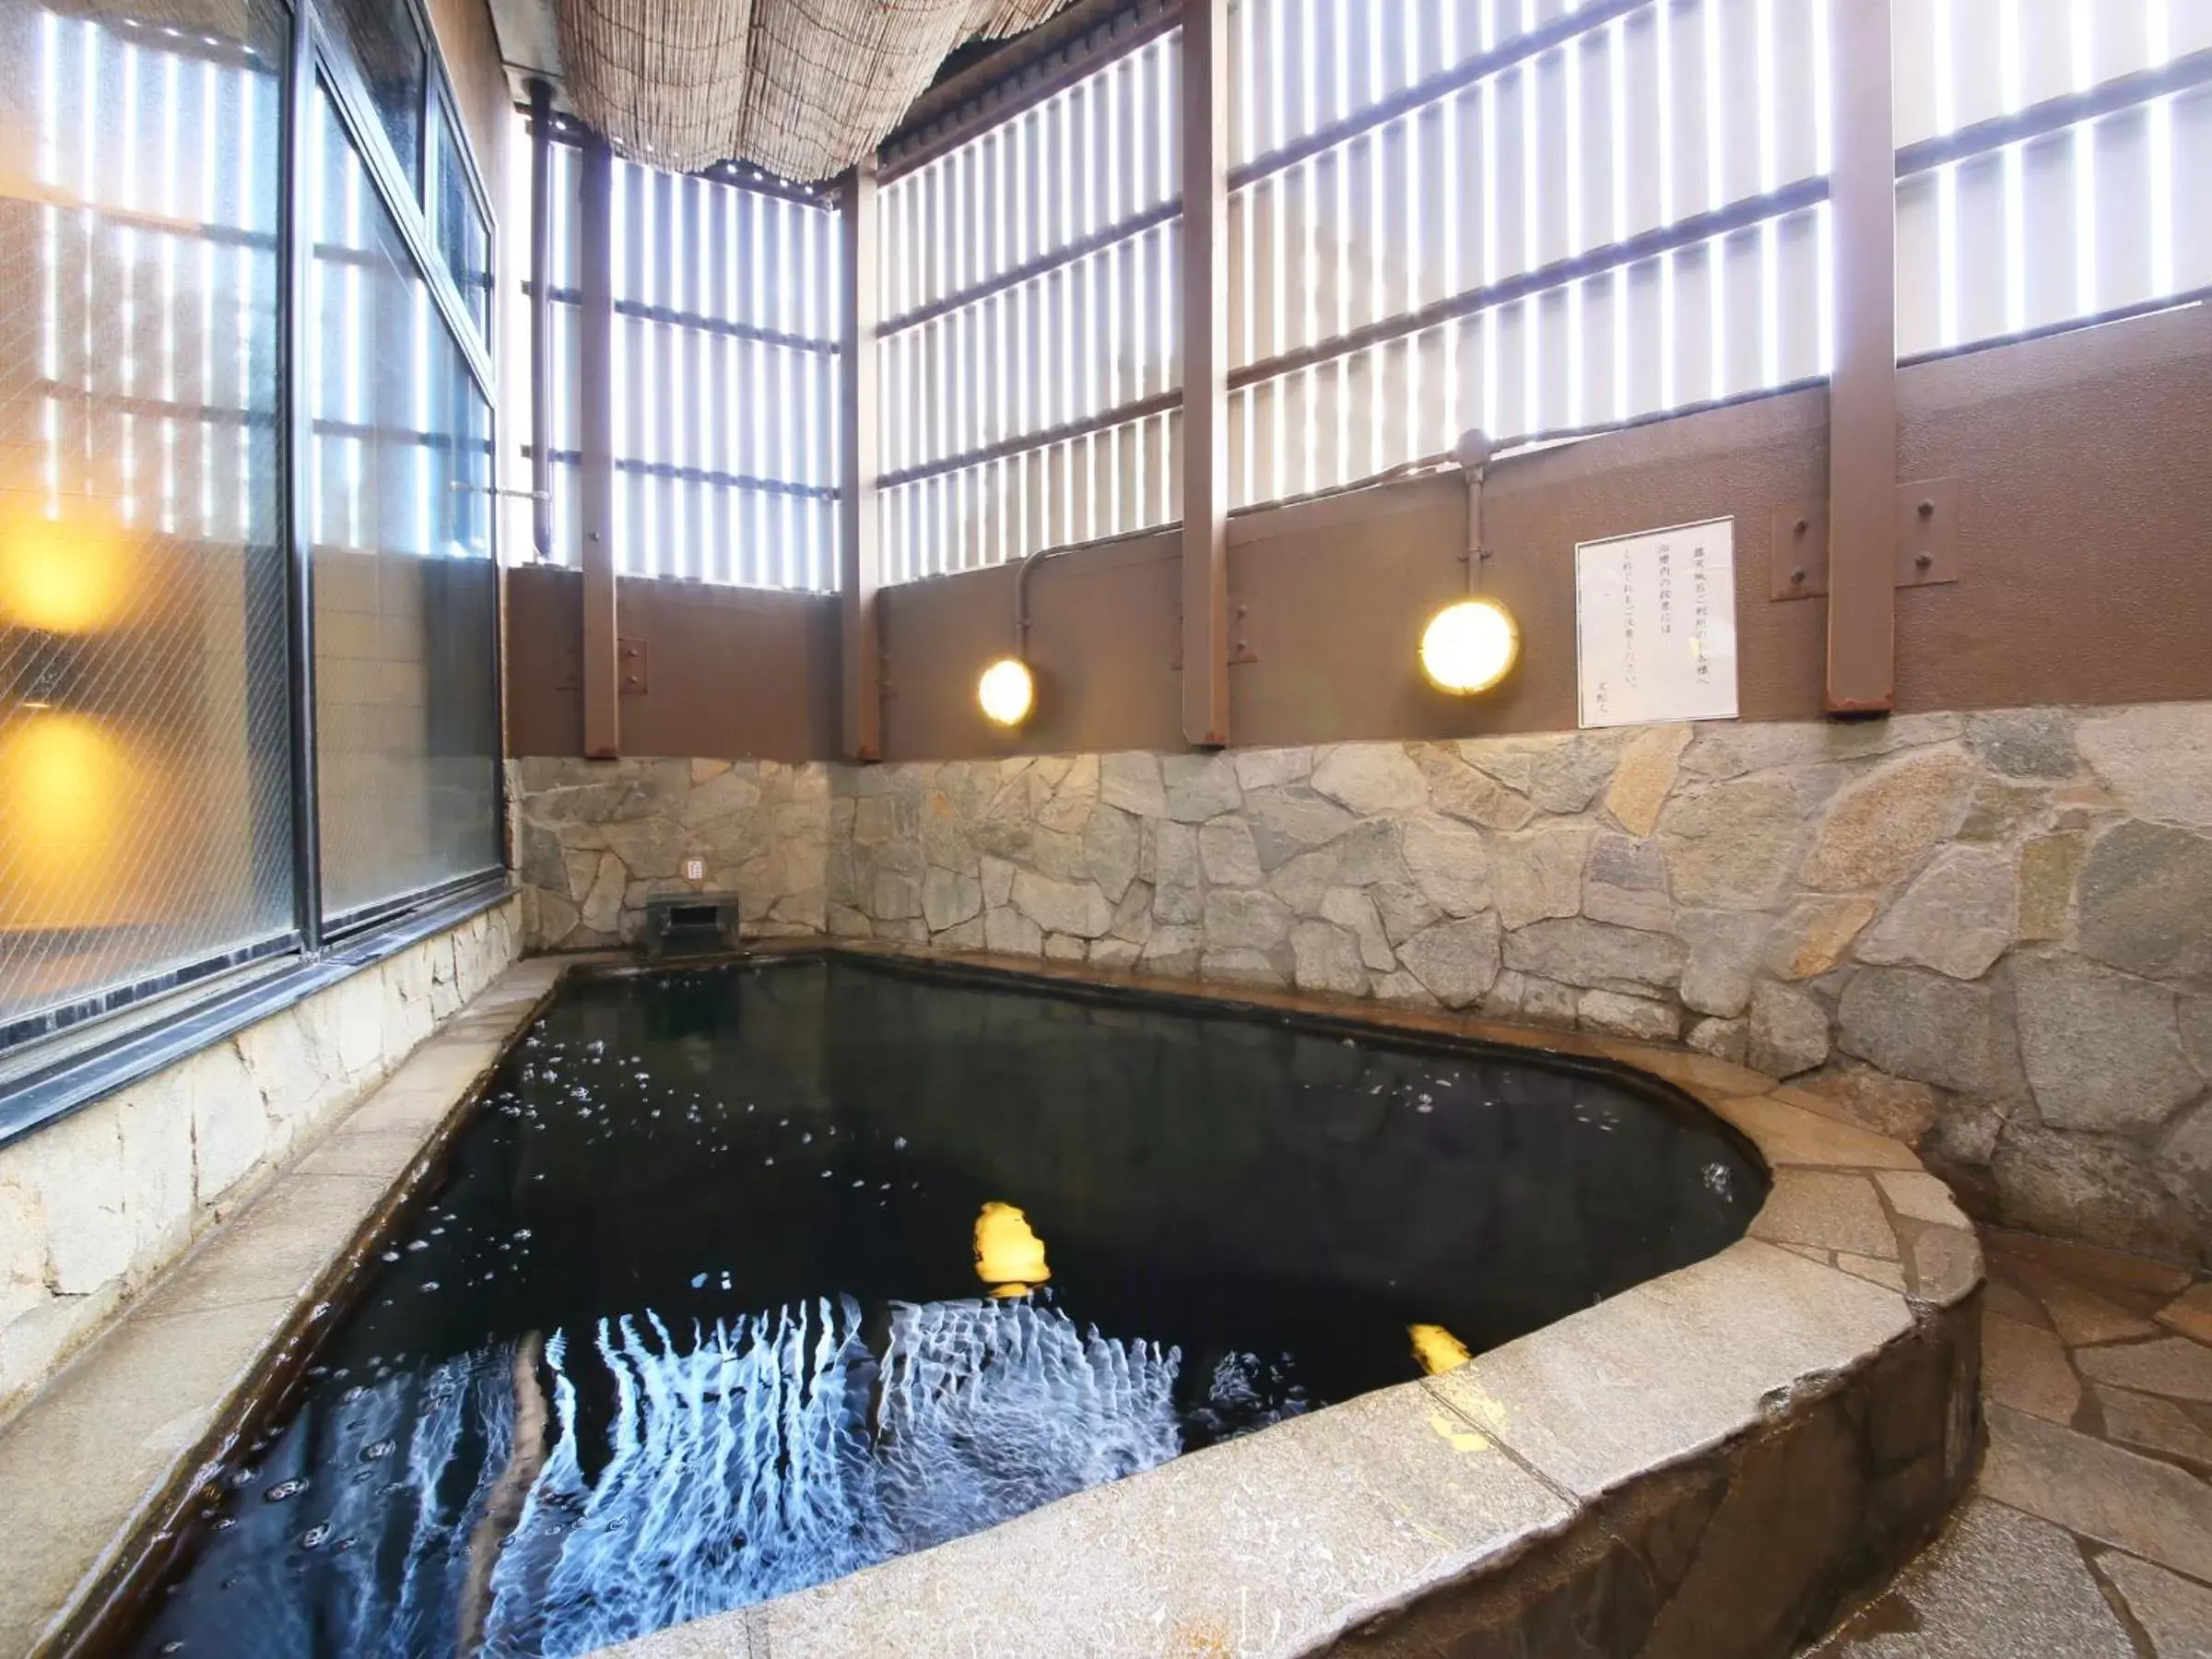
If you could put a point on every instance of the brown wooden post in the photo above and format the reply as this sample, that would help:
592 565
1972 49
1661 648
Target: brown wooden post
1205 372
1862 443
595 418
860 556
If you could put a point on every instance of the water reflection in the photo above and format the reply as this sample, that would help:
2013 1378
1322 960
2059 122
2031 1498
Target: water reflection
1437 1349
653 1477
1009 1257
716 1304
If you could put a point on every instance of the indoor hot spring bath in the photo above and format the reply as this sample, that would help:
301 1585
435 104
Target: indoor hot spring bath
748 1277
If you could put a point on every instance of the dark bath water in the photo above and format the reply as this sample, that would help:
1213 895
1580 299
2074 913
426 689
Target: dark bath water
699 1318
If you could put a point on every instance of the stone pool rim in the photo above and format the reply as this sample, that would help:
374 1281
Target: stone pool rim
1842 1201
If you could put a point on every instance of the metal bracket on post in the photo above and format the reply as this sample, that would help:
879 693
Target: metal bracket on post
1926 530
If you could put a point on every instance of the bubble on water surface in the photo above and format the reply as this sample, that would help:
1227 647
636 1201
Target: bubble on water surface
284 1490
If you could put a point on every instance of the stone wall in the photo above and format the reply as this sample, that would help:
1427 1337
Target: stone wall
93 1207
595 840
1990 935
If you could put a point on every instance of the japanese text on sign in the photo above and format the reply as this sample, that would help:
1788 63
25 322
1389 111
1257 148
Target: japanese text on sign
1655 625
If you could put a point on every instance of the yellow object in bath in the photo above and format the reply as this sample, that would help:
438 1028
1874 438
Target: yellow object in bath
1437 1348
1009 1257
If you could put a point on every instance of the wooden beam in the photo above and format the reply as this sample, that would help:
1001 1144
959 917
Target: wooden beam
860 558
1205 372
596 417
1862 442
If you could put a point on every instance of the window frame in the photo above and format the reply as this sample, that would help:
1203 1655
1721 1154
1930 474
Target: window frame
72 1053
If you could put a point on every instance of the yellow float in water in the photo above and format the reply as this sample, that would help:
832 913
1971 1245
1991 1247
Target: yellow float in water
1437 1348
1009 1257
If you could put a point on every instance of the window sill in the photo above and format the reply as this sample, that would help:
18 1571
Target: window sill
75 1073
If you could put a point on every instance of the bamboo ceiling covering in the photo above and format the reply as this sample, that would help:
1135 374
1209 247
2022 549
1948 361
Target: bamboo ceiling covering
802 88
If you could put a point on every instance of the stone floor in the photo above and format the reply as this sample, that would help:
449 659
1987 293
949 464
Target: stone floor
2090 1532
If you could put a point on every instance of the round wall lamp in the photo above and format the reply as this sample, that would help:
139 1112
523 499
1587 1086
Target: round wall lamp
1472 643
1469 646
1007 692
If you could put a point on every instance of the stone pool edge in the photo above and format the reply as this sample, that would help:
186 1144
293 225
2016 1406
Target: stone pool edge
1464 1509
1713 1463
98 1468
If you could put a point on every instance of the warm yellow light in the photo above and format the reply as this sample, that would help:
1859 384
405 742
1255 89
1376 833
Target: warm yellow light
74 797
62 575
1008 1256
1470 646
1437 1348
1007 692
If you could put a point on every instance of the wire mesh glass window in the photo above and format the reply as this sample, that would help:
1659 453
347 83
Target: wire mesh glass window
145 771
380 45
1031 353
404 591
464 238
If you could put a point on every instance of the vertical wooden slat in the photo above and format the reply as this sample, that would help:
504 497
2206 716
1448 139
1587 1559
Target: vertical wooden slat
602 699
861 572
1205 372
1862 530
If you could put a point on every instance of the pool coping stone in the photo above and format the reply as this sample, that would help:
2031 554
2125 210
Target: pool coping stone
114 1445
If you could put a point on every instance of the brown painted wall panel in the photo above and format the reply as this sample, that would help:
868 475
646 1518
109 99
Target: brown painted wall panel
1103 637
2085 464
1740 462
730 673
2084 539
1328 599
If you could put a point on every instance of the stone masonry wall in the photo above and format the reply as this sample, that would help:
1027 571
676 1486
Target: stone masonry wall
93 1207
1990 935
596 839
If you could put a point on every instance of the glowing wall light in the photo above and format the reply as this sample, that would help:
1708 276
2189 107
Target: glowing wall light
1007 692
1469 646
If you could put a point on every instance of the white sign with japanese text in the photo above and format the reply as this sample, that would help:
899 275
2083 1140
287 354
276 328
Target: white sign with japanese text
1655 625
